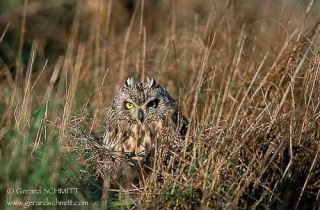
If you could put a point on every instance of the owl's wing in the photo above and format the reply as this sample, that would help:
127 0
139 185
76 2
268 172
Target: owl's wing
180 122
184 126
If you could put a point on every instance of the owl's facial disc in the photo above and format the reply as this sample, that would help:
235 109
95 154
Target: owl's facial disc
135 110
141 111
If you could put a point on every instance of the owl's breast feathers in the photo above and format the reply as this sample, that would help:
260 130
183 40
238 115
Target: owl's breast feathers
137 140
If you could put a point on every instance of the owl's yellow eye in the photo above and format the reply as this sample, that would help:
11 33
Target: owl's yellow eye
153 104
129 105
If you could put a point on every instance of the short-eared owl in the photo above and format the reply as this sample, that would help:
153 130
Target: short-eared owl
141 115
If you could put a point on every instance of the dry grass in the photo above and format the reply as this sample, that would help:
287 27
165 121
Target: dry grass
247 79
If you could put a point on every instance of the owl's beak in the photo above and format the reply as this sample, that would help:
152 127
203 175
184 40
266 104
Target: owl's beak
141 115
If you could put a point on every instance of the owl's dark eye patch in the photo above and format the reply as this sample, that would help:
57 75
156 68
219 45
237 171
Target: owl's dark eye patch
153 104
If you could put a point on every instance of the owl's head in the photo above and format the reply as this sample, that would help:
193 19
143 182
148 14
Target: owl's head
142 102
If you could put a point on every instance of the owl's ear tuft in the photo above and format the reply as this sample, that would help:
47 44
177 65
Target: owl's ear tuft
129 82
151 82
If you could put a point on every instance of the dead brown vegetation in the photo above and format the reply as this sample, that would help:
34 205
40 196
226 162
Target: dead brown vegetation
247 79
